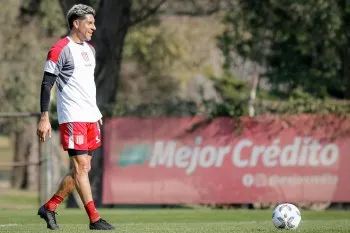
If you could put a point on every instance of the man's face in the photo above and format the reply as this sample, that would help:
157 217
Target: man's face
85 27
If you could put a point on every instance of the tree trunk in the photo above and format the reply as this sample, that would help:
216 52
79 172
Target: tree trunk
346 69
344 49
26 150
252 94
67 4
113 22
96 176
33 157
19 172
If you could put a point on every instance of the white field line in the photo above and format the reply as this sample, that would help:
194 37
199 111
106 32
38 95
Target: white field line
8 225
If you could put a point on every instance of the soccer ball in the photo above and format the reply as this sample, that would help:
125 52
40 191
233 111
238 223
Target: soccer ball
286 216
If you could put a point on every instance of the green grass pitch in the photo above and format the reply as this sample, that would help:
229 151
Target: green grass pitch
174 221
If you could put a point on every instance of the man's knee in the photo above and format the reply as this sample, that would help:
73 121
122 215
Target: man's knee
81 164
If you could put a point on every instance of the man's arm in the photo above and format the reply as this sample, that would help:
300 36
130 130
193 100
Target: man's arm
46 86
44 124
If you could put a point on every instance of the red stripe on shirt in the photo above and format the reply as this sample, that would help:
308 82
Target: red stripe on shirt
56 49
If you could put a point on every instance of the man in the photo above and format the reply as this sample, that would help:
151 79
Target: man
71 63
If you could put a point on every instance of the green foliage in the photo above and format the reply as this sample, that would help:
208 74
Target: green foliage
163 56
166 108
234 103
230 88
155 48
21 64
149 55
52 20
299 42
302 102
301 106
302 57
299 102
23 56
233 94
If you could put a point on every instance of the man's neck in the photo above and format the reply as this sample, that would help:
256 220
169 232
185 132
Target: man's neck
74 37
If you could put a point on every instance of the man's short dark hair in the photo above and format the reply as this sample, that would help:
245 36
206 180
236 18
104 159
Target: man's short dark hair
78 11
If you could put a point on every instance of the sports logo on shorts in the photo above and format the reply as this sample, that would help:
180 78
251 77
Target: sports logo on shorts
98 140
85 56
79 139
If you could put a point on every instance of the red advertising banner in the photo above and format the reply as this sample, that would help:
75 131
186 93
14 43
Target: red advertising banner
300 158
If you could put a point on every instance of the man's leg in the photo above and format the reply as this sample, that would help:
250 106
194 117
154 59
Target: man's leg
81 167
47 211
66 187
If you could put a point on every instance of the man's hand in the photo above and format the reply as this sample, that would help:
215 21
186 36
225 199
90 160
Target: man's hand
100 121
44 127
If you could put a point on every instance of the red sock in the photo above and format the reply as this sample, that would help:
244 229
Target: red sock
92 212
53 203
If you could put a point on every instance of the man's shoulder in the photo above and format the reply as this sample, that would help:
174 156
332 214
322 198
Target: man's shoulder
61 43
56 49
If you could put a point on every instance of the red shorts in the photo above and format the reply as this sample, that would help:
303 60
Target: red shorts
80 135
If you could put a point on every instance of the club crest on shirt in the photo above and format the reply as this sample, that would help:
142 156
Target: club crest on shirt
79 139
85 56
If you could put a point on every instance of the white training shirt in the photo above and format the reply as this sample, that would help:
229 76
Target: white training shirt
74 66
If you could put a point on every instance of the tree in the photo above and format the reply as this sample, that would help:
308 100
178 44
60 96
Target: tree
302 43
